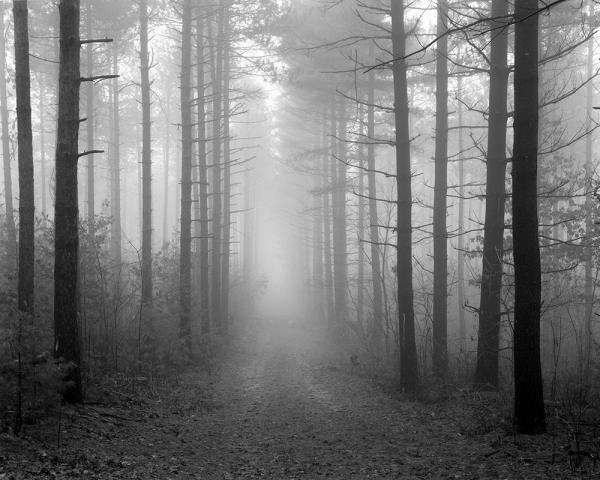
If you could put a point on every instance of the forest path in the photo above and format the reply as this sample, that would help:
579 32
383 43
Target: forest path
288 415
279 409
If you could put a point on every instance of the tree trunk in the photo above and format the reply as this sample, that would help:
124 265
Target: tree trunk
25 146
462 329
361 222
317 241
440 234
146 172
167 155
203 186
225 257
529 394
377 327
327 215
115 190
406 317
340 261
89 97
11 231
486 372
589 221
185 246
216 187
66 329
43 179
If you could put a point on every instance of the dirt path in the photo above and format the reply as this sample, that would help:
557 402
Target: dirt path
280 413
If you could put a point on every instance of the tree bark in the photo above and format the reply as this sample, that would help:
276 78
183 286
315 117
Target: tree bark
440 204
43 179
361 223
377 327
146 171
327 215
486 372
11 230
185 246
340 261
216 180
462 328
225 257
406 318
167 157
589 222
66 329
203 186
529 394
89 97
25 148
317 240
115 190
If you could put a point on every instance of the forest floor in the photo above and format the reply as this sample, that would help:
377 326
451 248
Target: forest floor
277 407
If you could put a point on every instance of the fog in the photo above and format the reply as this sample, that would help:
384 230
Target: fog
292 218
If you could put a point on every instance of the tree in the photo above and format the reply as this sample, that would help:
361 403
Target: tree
8 195
226 253
406 316
203 183
115 170
217 87
25 146
529 394
373 215
146 170
486 372
340 257
89 102
66 329
185 265
440 234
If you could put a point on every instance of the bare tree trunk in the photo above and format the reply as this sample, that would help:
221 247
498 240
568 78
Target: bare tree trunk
529 393
115 191
462 329
406 317
146 171
216 187
203 186
185 246
440 204
67 344
317 241
249 233
486 372
165 212
589 223
377 331
327 215
25 147
225 258
11 230
361 223
340 261
89 96
43 180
